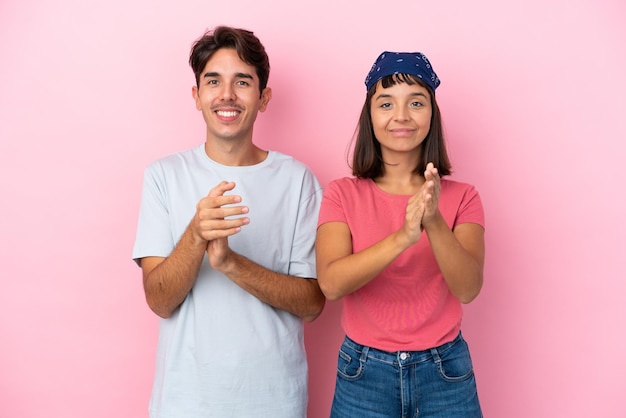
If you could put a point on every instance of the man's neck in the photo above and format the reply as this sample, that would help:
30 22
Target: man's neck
234 153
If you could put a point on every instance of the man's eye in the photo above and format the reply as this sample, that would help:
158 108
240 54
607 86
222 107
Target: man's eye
211 82
242 83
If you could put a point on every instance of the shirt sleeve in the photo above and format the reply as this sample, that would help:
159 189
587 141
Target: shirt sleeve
471 208
302 260
154 235
332 209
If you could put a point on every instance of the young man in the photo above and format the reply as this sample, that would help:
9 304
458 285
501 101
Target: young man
225 241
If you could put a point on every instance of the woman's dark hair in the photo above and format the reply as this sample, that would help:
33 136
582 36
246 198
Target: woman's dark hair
247 45
367 160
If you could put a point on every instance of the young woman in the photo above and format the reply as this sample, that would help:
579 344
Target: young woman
403 248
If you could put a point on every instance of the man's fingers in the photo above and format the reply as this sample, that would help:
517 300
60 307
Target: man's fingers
221 188
221 229
214 202
218 213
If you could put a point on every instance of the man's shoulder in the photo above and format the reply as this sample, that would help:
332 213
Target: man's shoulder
282 157
175 159
287 160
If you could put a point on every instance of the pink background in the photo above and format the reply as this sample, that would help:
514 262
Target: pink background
533 96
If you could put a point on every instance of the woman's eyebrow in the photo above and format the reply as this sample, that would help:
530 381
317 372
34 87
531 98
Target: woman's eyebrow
386 96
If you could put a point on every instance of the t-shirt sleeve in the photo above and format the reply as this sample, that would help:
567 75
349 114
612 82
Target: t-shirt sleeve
154 235
332 209
471 208
302 260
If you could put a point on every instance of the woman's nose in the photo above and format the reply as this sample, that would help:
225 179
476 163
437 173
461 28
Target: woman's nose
401 113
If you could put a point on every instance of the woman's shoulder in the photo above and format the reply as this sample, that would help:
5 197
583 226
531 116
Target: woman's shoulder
349 183
455 185
458 191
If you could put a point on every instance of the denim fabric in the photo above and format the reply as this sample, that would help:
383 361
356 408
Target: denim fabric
435 383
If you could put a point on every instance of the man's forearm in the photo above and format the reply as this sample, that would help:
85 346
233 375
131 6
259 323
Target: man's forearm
167 281
299 296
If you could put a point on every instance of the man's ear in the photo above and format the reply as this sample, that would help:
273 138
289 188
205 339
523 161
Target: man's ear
196 98
266 96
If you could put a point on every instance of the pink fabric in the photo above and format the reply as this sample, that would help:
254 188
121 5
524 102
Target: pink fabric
408 306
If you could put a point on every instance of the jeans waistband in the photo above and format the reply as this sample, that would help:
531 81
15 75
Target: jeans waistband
403 357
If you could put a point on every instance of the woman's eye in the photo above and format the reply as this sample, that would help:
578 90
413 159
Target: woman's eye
385 105
417 104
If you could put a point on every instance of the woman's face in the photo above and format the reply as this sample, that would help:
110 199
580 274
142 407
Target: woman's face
401 117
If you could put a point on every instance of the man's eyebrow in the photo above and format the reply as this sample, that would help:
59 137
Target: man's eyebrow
211 74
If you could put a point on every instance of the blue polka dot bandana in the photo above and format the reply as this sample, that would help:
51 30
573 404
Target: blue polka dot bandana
413 63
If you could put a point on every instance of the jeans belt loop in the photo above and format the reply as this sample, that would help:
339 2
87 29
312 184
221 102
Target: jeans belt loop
435 354
364 353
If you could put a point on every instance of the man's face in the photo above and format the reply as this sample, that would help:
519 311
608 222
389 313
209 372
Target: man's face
228 97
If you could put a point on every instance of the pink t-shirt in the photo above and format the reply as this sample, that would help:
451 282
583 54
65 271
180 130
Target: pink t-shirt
408 306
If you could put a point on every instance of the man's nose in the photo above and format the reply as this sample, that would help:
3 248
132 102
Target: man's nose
228 92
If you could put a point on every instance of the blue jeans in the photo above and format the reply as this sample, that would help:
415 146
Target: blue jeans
432 383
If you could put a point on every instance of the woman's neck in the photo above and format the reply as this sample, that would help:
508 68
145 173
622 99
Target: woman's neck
397 180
